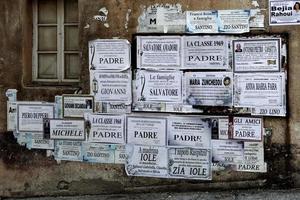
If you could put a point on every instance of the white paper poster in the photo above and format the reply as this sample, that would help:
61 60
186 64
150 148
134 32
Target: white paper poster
284 12
66 129
201 21
256 55
106 128
151 17
146 130
109 54
98 153
227 151
159 86
189 131
76 105
259 90
111 86
160 52
223 128
233 21
37 141
205 52
120 154
253 158
115 107
209 88
151 161
30 116
190 163
170 16
11 116
68 150
247 128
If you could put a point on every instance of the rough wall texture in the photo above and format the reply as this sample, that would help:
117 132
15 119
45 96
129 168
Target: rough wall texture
24 172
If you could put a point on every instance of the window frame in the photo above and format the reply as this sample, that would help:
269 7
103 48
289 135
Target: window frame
60 51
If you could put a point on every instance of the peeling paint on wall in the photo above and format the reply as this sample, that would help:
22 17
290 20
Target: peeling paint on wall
127 19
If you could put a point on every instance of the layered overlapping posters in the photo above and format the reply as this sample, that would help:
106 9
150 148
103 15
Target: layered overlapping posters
209 88
256 55
112 54
171 162
284 12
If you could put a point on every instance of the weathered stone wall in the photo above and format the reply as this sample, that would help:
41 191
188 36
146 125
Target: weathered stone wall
24 172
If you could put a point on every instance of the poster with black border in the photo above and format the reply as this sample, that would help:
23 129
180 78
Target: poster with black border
30 116
190 163
159 52
256 55
74 106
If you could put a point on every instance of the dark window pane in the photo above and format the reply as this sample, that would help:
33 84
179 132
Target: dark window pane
71 38
47 66
47 38
47 12
71 11
72 69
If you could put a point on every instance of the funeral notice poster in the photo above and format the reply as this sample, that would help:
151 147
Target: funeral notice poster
37 141
111 86
247 128
76 105
259 90
68 150
106 128
30 116
284 12
209 88
159 52
109 54
233 21
62 129
205 52
189 131
151 161
223 128
190 163
253 158
98 153
227 151
201 21
256 55
159 86
146 130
